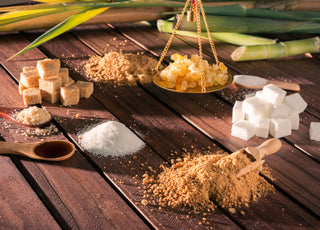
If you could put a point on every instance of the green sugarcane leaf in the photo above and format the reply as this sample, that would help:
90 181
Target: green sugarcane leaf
92 3
62 27
56 1
32 7
18 16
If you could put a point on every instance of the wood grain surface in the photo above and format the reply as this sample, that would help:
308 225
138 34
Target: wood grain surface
91 192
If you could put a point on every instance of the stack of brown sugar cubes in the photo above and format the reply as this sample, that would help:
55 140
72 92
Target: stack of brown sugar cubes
48 81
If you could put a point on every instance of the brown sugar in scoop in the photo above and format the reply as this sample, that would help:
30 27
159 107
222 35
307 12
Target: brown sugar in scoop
203 181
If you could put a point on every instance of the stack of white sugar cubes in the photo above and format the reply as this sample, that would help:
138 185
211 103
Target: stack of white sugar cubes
269 111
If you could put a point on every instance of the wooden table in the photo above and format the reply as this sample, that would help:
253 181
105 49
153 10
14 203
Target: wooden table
88 192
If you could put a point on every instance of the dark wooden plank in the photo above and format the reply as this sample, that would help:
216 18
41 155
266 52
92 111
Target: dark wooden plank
124 177
74 192
214 118
18 202
129 179
137 110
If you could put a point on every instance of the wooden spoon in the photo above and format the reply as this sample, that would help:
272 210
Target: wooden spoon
254 82
9 113
43 150
266 148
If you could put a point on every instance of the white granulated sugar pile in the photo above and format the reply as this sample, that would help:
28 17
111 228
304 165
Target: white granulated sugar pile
110 138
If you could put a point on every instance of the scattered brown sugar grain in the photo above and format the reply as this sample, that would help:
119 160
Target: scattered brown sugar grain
121 69
201 181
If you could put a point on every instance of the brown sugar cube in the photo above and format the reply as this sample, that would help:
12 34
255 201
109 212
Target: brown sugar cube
69 95
86 88
50 89
22 87
70 82
64 75
31 96
48 68
30 79
29 68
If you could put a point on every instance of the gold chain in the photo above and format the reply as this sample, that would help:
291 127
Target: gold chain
213 48
198 10
165 50
202 77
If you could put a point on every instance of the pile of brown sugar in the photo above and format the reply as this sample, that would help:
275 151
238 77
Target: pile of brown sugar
121 69
201 181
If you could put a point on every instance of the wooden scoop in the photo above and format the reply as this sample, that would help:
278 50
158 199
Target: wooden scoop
43 150
254 82
266 148
9 113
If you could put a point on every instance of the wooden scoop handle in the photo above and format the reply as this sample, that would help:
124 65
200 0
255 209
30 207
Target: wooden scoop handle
266 148
285 85
269 147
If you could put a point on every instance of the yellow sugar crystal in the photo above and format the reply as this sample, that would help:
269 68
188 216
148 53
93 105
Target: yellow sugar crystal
50 89
64 75
29 68
30 79
69 95
48 68
31 96
22 87
86 88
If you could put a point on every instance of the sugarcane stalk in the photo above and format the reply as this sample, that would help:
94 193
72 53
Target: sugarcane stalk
252 25
296 5
283 15
242 11
281 49
231 38
113 15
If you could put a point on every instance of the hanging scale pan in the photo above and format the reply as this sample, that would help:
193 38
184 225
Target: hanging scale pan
193 15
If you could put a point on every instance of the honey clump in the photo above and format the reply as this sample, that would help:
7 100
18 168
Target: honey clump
120 69
185 73
203 181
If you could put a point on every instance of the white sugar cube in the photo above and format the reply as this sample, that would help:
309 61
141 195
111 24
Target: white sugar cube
295 102
280 111
314 131
237 113
294 121
280 127
262 128
273 94
255 107
258 93
243 130
252 119
247 96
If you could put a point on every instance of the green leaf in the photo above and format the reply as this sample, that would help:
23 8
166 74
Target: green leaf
18 16
64 26
55 1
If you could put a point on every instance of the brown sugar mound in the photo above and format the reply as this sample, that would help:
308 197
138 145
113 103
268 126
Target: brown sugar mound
202 181
121 69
